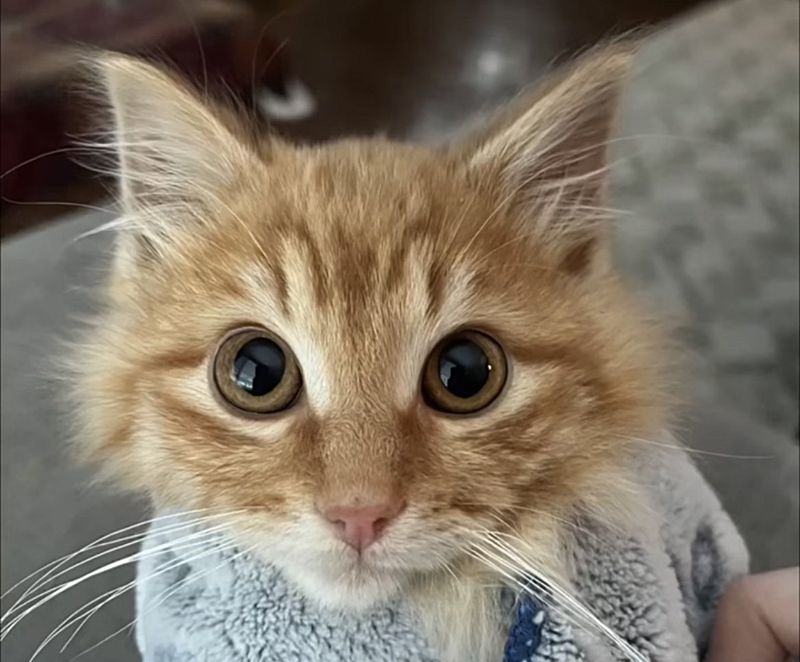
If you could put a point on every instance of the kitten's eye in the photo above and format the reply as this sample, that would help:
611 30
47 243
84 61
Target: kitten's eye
464 374
256 372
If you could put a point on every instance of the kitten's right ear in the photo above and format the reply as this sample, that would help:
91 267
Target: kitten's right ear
175 151
547 155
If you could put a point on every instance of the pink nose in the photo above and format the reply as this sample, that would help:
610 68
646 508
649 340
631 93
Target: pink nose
360 526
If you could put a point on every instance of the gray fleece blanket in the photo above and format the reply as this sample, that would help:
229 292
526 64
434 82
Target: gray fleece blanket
659 593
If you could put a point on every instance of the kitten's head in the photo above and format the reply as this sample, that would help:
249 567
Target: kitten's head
365 351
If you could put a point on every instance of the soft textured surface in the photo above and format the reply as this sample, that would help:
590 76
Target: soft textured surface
705 173
659 593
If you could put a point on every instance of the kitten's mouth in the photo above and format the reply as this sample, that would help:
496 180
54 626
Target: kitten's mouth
352 580
377 559
358 569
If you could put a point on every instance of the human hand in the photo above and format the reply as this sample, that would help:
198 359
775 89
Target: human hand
758 619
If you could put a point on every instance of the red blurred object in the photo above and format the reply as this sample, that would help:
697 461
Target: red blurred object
39 112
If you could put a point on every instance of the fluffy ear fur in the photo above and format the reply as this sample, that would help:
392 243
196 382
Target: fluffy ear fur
176 153
548 151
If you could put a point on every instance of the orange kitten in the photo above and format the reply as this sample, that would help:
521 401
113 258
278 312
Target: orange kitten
372 351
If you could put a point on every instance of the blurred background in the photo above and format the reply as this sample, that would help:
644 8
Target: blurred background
705 175
395 67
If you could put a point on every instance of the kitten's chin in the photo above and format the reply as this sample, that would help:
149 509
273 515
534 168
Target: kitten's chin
356 588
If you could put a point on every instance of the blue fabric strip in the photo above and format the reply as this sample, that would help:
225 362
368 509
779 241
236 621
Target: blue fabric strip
526 631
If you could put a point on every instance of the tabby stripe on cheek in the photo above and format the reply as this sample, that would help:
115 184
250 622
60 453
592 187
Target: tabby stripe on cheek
191 423
176 358
549 352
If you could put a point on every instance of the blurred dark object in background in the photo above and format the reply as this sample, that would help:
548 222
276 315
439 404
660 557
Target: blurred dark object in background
408 68
210 41
393 66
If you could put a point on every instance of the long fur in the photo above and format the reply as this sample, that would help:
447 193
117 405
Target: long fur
361 255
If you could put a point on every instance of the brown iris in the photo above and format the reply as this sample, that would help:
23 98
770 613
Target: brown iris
256 372
464 373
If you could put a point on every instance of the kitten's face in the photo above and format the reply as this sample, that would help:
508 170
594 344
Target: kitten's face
367 265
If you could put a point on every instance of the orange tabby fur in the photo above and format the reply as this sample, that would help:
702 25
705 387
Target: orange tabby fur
361 255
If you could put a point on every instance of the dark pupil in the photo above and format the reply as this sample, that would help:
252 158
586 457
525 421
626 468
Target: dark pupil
258 367
464 368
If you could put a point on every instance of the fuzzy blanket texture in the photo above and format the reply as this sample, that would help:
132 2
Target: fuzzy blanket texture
658 592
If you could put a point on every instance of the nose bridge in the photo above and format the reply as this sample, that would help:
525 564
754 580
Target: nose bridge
362 350
360 455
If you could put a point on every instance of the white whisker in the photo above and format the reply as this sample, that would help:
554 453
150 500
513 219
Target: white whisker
511 574
105 539
543 581
67 557
697 451
112 594
58 590
124 542
164 595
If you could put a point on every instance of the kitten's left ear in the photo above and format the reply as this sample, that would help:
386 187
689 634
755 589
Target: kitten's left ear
548 153
177 156
173 146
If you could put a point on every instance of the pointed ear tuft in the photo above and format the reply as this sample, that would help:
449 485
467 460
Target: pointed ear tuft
548 150
175 154
172 145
